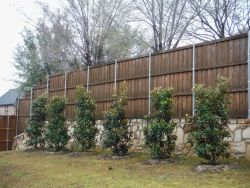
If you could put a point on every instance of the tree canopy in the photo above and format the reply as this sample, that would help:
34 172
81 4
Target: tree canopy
82 33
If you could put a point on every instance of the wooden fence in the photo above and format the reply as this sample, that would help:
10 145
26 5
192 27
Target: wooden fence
172 68
7 132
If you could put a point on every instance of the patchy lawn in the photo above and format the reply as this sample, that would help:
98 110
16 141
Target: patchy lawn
43 169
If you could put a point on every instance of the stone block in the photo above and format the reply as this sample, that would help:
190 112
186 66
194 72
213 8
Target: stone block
98 122
142 137
232 121
140 121
144 123
241 121
133 120
174 131
237 135
134 128
182 121
186 136
243 126
247 121
136 135
140 127
182 125
19 142
230 138
232 127
176 121
180 136
187 127
246 133
239 147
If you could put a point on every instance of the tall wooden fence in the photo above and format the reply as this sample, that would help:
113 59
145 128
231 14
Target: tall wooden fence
172 68
7 132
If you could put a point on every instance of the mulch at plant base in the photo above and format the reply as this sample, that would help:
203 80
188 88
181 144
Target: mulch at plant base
115 157
80 154
158 161
215 168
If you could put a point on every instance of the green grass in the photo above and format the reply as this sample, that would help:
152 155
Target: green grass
41 169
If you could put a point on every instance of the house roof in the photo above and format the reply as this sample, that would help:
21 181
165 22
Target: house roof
9 98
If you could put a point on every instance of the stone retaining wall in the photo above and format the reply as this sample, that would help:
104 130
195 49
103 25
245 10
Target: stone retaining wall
239 139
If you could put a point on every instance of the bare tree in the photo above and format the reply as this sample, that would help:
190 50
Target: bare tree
219 18
92 23
167 19
124 42
53 41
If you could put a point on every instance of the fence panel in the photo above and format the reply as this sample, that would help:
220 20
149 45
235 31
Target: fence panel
172 68
73 79
23 113
39 90
7 132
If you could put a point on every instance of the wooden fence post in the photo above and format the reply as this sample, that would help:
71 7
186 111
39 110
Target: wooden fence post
88 79
149 83
65 84
31 98
8 128
65 89
17 114
115 73
47 85
193 80
248 74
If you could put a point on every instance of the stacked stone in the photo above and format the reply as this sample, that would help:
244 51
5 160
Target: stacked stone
239 140
19 142
136 128
240 137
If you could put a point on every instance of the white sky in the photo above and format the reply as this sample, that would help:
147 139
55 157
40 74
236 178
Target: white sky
12 23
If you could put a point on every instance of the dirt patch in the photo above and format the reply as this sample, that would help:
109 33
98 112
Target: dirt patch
215 168
158 161
75 154
79 154
56 152
115 157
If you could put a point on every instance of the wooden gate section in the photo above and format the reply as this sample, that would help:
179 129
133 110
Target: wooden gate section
7 132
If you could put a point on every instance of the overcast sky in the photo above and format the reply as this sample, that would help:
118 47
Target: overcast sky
12 23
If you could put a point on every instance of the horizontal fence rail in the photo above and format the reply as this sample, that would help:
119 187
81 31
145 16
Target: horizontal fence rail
178 68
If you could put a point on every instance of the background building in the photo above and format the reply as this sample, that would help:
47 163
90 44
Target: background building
8 102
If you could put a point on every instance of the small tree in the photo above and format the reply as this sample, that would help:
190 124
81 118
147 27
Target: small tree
85 130
116 133
56 134
210 121
159 137
36 124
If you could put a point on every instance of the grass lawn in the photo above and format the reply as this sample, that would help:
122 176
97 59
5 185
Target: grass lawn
43 169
